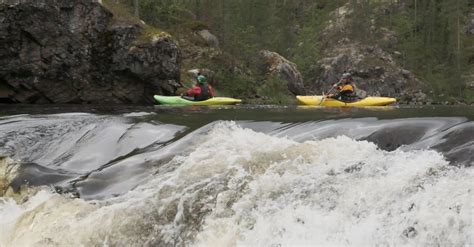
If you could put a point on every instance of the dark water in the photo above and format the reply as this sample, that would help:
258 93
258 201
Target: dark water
251 112
202 166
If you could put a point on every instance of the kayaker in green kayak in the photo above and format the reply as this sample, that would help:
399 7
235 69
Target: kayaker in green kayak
201 91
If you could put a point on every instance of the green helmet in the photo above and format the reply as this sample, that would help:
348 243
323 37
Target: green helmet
201 79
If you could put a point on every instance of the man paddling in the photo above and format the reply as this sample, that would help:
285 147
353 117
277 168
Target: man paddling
201 91
346 89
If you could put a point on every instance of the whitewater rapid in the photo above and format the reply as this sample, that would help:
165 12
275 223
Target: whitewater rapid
226 184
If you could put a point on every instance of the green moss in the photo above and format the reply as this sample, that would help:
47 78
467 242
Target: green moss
123 16
297 31
238 86
122 13
195 25
150 33
469 98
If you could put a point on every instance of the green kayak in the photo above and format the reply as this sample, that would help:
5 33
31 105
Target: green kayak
177 100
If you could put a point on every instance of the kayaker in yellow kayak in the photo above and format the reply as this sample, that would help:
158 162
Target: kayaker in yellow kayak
201 91
346 89
348 96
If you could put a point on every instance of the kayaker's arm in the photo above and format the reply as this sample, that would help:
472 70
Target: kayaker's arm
212 91
332 88
194 91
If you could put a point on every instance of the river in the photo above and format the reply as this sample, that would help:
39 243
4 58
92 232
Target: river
237 175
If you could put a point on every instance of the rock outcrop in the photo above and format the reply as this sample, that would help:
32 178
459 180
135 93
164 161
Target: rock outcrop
8 172
373 70
56 51
12 184
273 64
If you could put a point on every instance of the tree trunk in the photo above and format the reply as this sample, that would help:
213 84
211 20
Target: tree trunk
416 24
137 8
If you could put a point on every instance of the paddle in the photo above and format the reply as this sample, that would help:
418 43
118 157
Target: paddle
330 90
182 90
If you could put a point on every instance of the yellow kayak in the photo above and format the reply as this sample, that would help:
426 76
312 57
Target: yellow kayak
319 100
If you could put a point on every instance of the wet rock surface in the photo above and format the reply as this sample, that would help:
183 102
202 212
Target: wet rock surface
69 52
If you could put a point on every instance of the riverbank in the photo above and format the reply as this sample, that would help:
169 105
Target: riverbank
104 52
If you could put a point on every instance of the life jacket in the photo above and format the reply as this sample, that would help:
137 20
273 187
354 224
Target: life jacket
347 87
205 93
347 93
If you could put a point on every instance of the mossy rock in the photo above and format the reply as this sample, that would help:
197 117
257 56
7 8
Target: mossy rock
196 25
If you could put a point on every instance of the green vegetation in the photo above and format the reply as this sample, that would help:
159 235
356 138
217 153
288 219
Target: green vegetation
277 90
149 33
123 15
433 44
244 28
429 36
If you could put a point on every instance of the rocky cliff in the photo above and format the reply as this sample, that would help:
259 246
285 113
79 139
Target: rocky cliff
58 51
373 68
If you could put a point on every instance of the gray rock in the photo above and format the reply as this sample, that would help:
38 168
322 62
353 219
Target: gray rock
59 51
470 85
210 38
274 64
8 172
470 24
372 69
406 73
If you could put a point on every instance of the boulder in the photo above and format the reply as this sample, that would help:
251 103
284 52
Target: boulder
210 38
70 52
273 64
8 172
12 184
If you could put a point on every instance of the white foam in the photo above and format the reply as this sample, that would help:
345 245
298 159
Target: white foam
138 114
235 186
